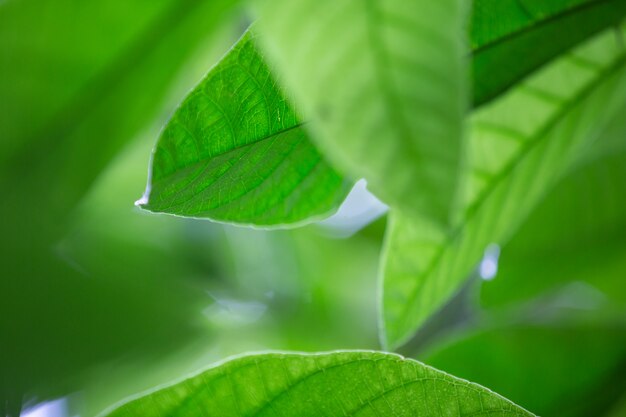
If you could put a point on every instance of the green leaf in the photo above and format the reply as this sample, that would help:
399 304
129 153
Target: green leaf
512 38
191 182
619 408
235 151
383 84
315 385
519 146
577 234
581 365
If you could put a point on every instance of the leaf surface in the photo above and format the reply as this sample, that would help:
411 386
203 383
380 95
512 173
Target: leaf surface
576 235
189 182
519 146
383 84
512 38
316 385
235 151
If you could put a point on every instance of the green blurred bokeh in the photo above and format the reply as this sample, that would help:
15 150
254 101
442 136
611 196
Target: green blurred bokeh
99 300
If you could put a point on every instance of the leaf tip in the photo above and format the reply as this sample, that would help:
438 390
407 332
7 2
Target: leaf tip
142 202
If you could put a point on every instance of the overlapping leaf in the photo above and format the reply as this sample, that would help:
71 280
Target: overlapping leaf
321 385
577 234
519 145
500 56
235 151
511 38
383 83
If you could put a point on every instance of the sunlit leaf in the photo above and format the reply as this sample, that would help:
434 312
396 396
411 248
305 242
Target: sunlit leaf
235 151
519 146
331 384
248 289
384 88
577 234
193 174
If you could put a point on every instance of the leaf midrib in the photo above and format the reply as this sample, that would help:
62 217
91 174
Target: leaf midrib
217 155
291 384
380 55
277 395
249 190
474 208
538 24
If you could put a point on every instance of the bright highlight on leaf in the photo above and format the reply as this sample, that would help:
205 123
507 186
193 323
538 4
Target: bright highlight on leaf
235 151
321 385
519 145
384 85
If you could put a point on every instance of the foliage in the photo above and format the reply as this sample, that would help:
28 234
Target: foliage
348 383
485 127
236 151
519 145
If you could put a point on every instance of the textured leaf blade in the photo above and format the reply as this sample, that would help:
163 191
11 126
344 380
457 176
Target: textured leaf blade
235 151
528 34
383 84
519 146
314 385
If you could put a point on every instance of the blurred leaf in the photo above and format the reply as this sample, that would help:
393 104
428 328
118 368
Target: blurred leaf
235 151
619 409
199 160
552 369
519 146
51 76
220 290
330 384
512 38
362 72
578 233
74 137
79 80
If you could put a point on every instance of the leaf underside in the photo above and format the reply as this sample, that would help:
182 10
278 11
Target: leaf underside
235 151
500 56
383 83
319 385
519 145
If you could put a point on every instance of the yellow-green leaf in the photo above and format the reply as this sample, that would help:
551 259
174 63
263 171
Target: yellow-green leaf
519 146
